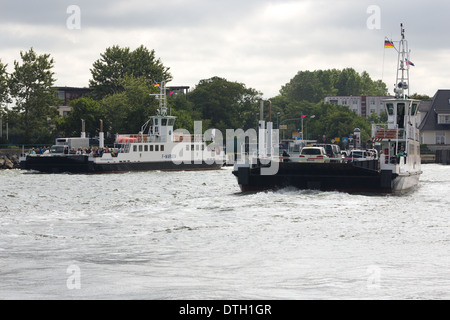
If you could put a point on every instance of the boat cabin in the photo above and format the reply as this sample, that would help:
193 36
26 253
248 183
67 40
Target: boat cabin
400 112
161 128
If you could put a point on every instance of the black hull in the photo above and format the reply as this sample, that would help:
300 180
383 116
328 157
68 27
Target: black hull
81 164
356 177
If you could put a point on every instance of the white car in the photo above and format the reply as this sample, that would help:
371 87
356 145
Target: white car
314 154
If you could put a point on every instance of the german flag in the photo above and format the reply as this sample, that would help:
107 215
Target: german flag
388 44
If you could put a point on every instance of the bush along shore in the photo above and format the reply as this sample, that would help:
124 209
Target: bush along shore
9 161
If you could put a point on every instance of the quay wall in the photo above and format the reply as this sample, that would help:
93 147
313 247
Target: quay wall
443 156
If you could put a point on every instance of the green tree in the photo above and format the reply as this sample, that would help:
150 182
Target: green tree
420 96
4 85
348 83
84 108
378 118
117 63
314 86
228 105
336 121
31 87
127 111
379 88
186 114
305 86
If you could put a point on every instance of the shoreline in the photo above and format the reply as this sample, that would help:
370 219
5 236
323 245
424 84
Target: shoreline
9 159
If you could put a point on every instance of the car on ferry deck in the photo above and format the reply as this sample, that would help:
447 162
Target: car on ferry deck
333 151
314 154
361 155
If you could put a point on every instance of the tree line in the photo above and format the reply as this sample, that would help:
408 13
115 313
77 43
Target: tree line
122 83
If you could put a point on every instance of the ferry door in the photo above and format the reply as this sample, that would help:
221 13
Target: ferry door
392 152
386 155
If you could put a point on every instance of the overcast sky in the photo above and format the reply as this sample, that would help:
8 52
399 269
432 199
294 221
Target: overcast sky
260 43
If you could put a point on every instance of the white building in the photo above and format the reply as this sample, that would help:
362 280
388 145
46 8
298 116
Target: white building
361 105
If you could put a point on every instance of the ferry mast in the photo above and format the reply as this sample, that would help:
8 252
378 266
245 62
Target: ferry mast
161 96
401 89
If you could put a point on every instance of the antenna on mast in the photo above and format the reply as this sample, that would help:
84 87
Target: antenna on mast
161 96
401 89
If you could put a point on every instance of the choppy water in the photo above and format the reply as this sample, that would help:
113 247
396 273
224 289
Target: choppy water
192 235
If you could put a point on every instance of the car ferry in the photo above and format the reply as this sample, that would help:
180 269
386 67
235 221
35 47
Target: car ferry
394 168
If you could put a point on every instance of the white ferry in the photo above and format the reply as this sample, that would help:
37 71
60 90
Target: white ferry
156 147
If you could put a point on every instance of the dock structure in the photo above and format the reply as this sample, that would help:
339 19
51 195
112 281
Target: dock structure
442 156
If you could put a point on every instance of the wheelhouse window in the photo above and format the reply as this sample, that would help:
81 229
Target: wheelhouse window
390 109
401 115
414 109
401 109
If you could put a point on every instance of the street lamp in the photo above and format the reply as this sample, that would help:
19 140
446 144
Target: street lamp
278 123
306 126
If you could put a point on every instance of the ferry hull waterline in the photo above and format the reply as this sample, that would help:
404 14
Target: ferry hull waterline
392 165
342 177
156 147
82 164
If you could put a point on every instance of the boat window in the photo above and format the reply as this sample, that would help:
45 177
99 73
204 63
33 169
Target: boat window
57 149
140 147
162 147
164 122
134 148
390 108
146 147
156 147
151 147
171 122
192 147
156 121
414 109
401 115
